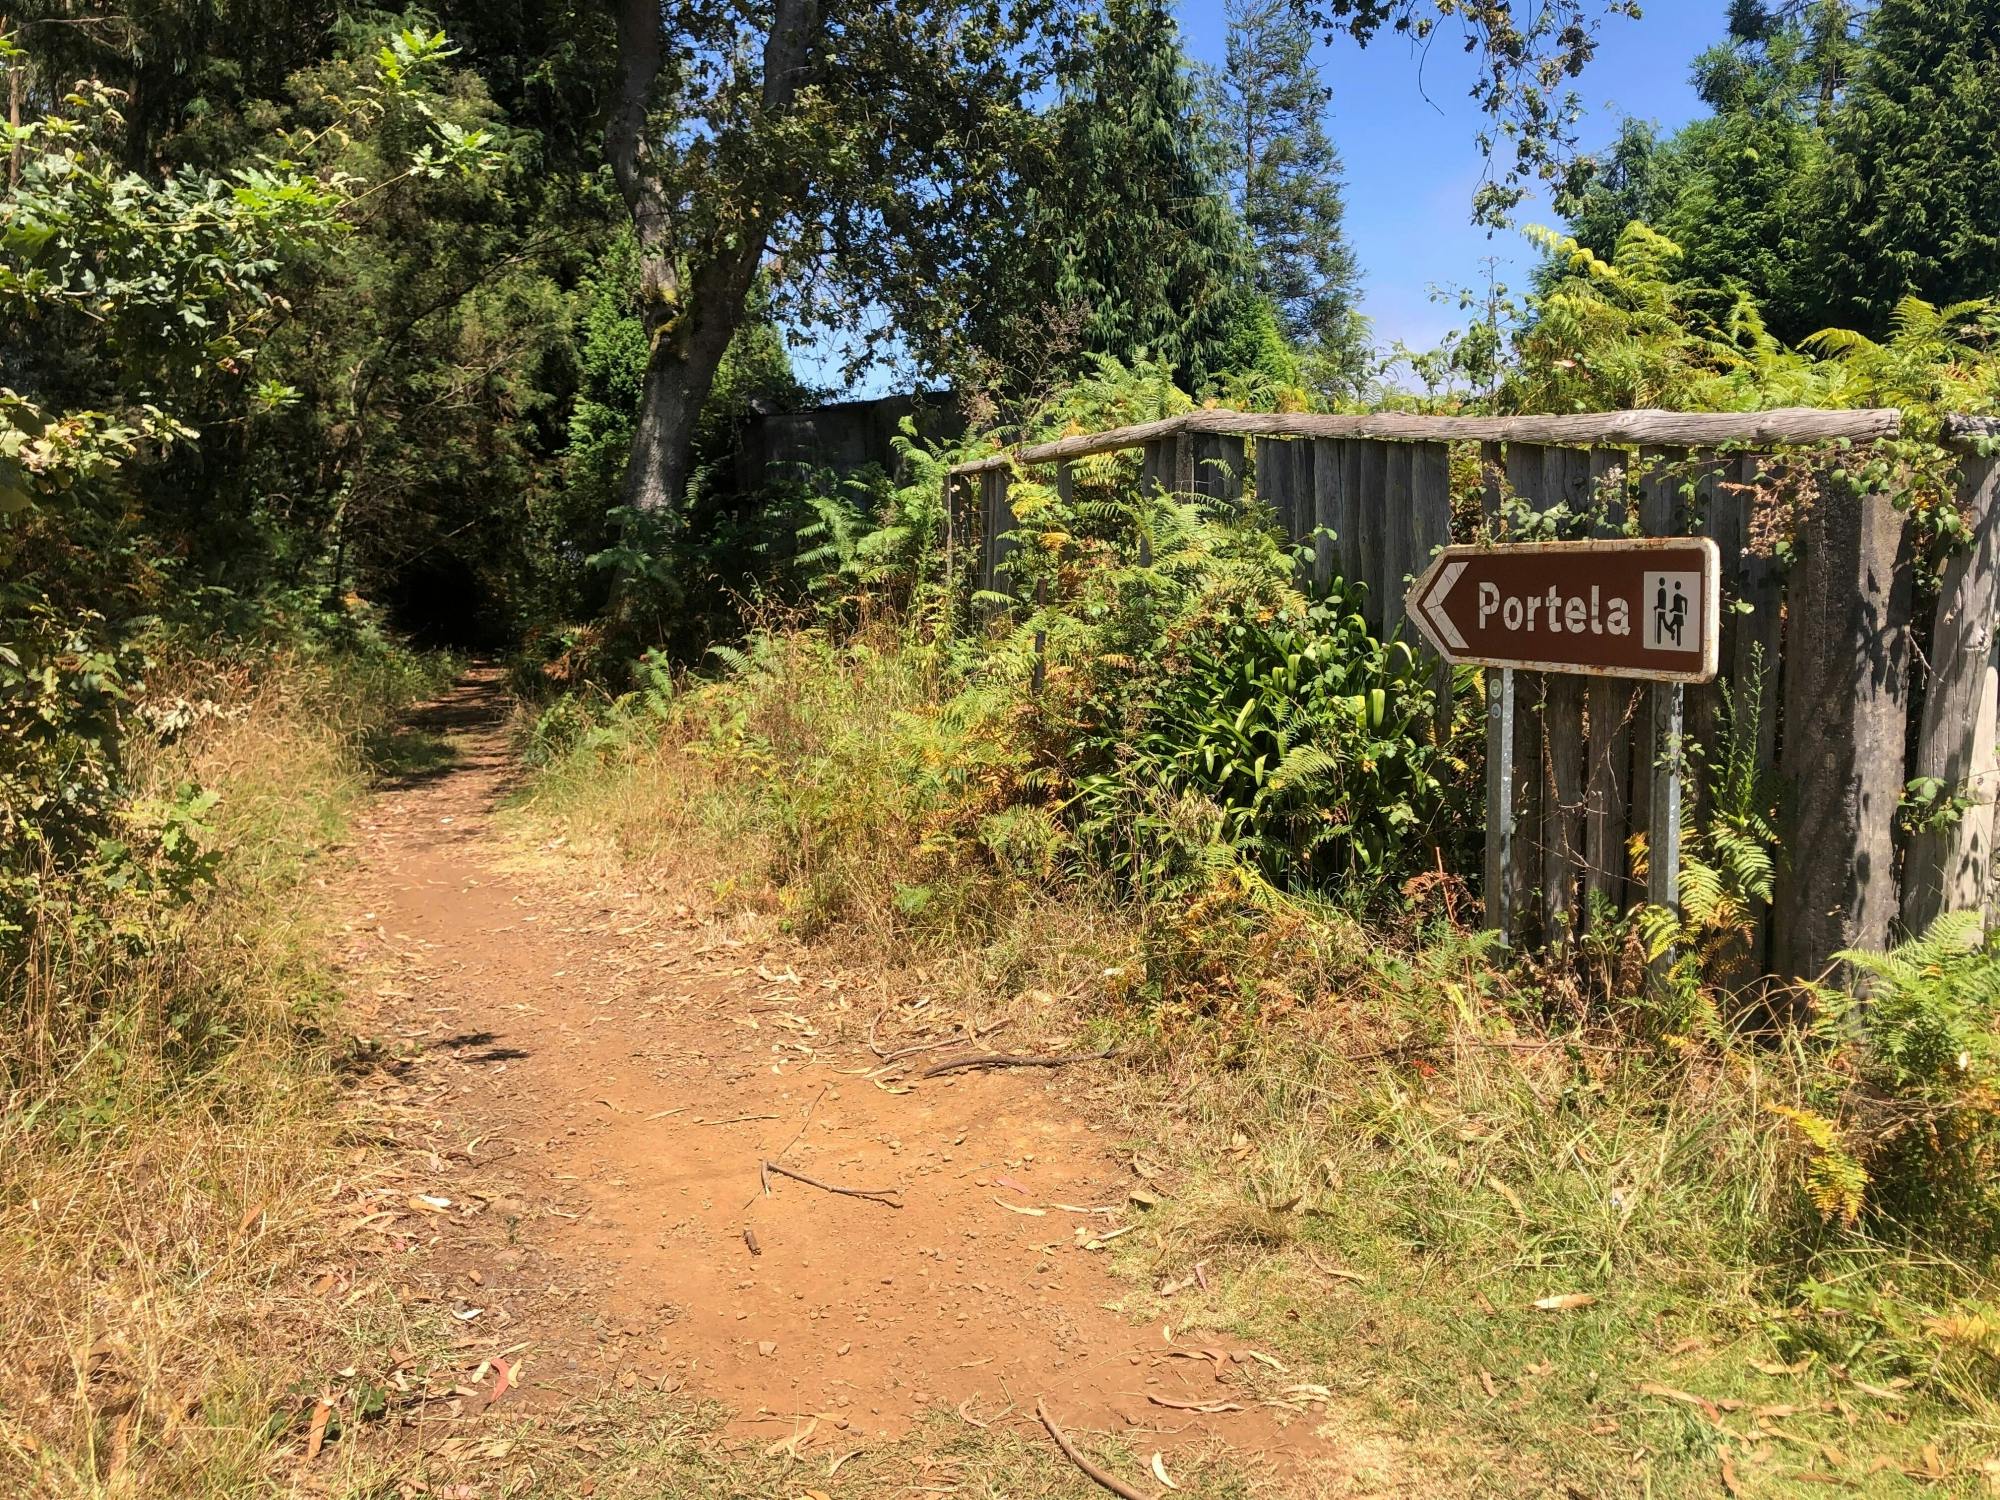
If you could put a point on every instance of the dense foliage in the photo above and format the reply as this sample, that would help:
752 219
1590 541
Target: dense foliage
1285 174
1843 168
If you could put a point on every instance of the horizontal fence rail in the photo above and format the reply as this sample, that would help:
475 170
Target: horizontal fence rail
1790 424
1844 694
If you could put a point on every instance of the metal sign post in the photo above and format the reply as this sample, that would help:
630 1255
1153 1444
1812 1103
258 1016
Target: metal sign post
1648 608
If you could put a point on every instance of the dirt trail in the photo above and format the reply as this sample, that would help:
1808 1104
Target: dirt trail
592 1077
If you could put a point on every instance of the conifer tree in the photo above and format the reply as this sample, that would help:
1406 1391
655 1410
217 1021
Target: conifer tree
1911 197
1286 174
1138 233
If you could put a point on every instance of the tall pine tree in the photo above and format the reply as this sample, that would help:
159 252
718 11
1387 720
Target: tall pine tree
1130 245
1286 174
1911 194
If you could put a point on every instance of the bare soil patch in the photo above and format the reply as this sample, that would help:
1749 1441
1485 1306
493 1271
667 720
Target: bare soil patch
587 1082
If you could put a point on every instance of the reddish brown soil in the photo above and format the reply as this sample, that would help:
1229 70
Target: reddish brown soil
591 1077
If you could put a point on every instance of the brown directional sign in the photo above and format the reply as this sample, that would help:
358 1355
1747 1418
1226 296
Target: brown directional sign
1646 607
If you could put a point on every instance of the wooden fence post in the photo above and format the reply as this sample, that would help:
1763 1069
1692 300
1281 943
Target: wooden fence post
1947 867
1847 685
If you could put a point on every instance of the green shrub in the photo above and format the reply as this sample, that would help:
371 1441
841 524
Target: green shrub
1907 1125
1310 737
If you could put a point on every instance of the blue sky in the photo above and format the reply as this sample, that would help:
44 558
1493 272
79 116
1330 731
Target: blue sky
1406 129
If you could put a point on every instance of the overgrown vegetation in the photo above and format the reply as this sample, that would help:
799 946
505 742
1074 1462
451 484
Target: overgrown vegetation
308 315
1204 803
170 1121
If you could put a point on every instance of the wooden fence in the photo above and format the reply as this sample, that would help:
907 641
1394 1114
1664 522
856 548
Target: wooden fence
1855 697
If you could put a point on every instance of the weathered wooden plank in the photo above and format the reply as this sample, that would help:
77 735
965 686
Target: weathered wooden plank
1759 585
1663 813
1609 706
1294 495
1753 620
1002 523
1156 473
1272 458
1846 698
949 501
1582 429
1717 511
1692 429
1430 501
1305 490
1082 445
1430 529
1219 463
987 481
1430 522
1527 477
1347 523
1328 463
1184 463
1963 431
1565 485
1398 544
1365 471
1947 868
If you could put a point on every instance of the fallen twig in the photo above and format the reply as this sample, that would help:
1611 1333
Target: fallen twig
1090 1470
886 1196
1008 1060
807 1120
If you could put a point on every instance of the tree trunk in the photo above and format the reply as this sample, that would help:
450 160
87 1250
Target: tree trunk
690 312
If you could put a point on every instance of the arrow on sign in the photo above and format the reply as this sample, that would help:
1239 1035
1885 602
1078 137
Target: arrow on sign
1647 607
1436 621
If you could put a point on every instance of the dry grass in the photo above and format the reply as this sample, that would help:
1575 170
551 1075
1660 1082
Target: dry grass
1373 1144
168 1153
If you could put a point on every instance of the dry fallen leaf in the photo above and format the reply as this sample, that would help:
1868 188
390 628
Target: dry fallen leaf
1729 1480
1160 1472
1711 1409
1017 1208
1564 1301
316 1429
1767 1367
